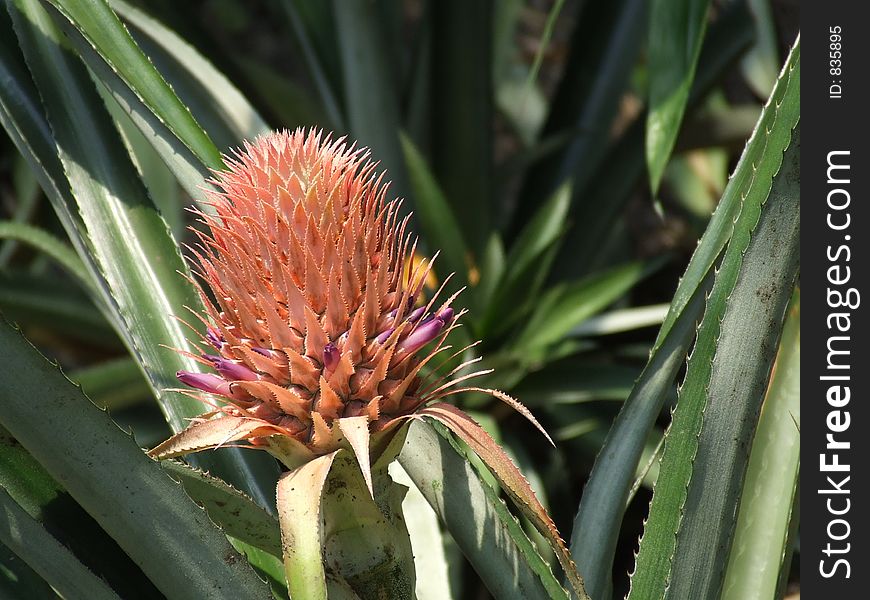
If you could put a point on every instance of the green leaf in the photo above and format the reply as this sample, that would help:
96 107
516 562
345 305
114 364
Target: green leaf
307 19
492 268
480 523
46 501
50 303
760 549
27 194
370 89
29 540
572 382
620 320
22 116
46 243
137 259
436 558
512 481
687 537
188 169
149 515
544 42
564 307
267 565
597 522
235 512
599 205
599 516
108 36
18 580
290 101
604 48
527 264
114 384
213 100
675 36
760 64
436 218
159 180
300 495
719 125
124 231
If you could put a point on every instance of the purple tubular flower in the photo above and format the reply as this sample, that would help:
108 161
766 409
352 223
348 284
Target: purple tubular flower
331 356
411 318
234 371
426 332
214 337
446 315
384 335
416 314
207 382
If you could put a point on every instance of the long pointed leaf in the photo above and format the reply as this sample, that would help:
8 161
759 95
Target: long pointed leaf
512 481
602 201
18 580
687 537
105 32
214 101
235 512
461 126
676 31
22 116
327 88
480 523
604 47
48 502
148 514
26 537
566 306
136 256
48 244
188 169
597 520
371 97
124 232
437 220
760 550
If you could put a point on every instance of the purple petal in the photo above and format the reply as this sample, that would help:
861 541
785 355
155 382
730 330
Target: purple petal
214 337
234 371
416 314
425 333
207 382
446 315
384 335
331 356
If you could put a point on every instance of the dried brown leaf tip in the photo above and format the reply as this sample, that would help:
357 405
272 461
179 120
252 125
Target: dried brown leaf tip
316 312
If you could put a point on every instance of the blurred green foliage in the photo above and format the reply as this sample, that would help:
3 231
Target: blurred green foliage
556 153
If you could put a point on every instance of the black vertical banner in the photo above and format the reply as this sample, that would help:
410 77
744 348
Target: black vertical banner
835 373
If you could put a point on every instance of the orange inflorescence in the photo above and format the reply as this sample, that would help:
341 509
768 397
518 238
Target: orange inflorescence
315 315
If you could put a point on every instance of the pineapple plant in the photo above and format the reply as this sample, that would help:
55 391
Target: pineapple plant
317 336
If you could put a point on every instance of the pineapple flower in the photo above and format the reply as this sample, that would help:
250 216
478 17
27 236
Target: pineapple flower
318 332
